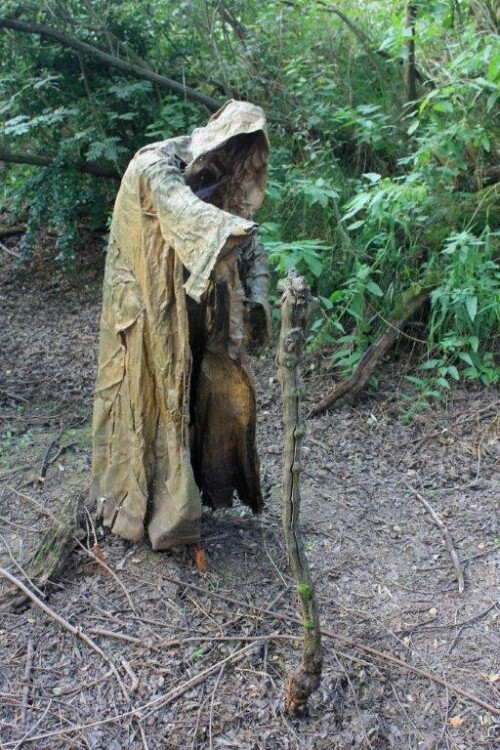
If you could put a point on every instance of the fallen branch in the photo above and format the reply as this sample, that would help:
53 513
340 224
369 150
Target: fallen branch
13 229
167 644
371 358
59 541
295 303
458 625
379 655
55 546
20 567
30 650
445 533
95 169
7 250
76 631
152 705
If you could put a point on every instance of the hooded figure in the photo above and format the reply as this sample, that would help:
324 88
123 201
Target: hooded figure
185 293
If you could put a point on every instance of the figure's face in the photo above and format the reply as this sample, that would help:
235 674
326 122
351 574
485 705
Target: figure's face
232 177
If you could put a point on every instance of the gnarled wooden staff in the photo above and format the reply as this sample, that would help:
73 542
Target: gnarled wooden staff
295 305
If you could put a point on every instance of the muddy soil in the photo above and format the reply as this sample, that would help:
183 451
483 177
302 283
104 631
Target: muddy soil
199 660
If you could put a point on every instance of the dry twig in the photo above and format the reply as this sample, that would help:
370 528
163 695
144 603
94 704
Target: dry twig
379 655
369 361
74 630
45 463
30 650
26 737
9 251
445 533
153 705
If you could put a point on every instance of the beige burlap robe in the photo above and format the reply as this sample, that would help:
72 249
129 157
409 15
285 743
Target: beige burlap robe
185 292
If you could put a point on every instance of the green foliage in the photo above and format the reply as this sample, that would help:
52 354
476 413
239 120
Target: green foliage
465 312
370 196
305 591
303 255
198 655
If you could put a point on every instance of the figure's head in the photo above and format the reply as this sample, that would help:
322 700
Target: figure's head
229 157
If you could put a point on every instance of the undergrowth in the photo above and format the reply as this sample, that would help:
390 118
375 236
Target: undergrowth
373 197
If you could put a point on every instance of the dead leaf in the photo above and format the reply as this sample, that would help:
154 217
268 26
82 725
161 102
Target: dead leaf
456 721
493 677
200 559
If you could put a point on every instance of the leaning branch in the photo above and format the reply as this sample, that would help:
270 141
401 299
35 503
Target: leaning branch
95 169
130 68
352 386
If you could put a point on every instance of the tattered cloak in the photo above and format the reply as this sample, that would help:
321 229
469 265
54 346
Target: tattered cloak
185 296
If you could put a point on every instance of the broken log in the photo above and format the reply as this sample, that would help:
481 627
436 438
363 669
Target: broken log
53 551
366 366
58 542
295 305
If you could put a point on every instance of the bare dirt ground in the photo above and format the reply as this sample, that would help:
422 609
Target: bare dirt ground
199 660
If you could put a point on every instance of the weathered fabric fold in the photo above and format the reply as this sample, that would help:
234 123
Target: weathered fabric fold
168 250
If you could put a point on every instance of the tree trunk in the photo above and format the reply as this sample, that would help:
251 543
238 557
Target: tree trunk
410 68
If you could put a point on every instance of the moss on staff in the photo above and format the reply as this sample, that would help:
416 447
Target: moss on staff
306 591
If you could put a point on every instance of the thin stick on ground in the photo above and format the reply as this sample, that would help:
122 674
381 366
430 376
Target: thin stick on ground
30 650
32 730
76 631
44 464
445 533
9 251
153 705
211 712
379 655
295 303
20 567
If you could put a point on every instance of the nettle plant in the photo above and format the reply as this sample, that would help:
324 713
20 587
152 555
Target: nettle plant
306 204
402 243
465 307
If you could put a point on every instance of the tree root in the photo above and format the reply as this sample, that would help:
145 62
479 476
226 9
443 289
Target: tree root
53 551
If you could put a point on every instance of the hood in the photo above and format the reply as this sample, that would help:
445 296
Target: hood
227 159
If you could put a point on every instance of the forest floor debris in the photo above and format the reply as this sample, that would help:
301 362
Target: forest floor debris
202 657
